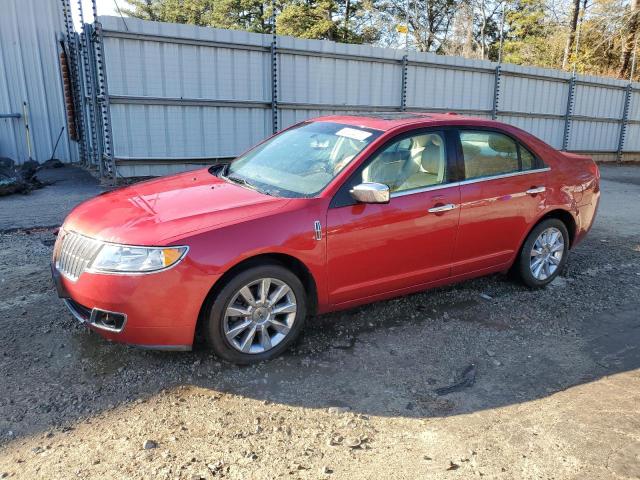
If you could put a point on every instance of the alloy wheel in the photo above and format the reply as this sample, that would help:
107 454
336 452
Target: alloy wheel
260 315
546 253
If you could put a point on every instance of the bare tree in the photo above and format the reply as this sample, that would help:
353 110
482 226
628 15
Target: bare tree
573 26
630 40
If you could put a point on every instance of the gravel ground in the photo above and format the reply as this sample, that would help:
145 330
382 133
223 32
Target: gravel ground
556 392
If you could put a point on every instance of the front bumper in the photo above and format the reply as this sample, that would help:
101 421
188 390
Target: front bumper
158 310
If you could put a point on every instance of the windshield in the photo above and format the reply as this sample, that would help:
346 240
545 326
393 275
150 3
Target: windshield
300 162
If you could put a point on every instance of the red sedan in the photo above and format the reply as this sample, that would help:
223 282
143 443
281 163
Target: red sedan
329 214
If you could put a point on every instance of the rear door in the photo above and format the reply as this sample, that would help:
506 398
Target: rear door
377 248
501 194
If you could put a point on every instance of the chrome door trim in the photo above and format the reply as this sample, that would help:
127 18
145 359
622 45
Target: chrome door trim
467 182
533 191
442 208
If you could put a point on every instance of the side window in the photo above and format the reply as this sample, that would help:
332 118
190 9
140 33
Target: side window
488 153
414 162
527 158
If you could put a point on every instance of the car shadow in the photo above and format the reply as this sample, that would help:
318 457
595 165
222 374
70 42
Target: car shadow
385 359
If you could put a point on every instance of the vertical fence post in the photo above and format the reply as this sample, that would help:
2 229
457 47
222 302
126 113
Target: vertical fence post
89 90
90 80
74 71
569 112
403 91
274 70
496 93
624 121
102 98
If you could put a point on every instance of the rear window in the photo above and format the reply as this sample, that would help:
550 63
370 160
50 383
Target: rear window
487 154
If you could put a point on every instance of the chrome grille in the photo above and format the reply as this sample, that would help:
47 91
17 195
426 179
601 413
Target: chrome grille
75 254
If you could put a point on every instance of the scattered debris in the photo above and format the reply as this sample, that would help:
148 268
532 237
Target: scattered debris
19 179
467 379
485 296
453 466
353 442
150 444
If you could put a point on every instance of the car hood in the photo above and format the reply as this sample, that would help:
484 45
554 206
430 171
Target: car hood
156 211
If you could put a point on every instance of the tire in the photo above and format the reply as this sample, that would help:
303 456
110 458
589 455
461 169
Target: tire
532 269
260 318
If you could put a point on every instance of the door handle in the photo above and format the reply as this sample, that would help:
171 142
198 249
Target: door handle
442 208
535 190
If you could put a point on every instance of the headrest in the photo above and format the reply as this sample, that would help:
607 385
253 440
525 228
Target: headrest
422 141
502 144
470 150
432 157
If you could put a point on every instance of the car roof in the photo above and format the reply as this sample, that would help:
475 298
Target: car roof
385 121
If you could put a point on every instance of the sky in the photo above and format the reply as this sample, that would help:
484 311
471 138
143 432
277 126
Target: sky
105 7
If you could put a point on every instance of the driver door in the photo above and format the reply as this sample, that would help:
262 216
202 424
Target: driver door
373 249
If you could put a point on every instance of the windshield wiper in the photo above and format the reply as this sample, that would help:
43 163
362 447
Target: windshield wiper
244 182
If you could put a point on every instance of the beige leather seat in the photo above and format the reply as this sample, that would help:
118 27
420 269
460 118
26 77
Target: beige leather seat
390 168
428 157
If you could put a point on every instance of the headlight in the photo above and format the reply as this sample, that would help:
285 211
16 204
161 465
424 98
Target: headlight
128 259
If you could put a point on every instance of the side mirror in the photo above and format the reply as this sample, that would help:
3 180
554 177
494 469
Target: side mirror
371 192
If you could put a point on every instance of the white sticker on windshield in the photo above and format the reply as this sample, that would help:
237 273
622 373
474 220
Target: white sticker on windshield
353 133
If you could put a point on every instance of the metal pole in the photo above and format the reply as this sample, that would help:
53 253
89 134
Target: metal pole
89 90
624 121
406 34
496 93
274 70
403 91
569 112
103 96
633 59
501 36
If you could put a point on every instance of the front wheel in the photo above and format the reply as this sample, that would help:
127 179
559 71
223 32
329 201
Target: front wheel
544 253
256 315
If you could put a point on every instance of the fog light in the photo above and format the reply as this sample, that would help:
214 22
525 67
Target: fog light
108 320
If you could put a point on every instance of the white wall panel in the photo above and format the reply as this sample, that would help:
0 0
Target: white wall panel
30 72
435 87
533 95
551 130
595 101
171 88
594 136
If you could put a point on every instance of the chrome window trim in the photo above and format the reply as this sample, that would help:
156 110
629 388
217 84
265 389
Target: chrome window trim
424 189
467 182
504 175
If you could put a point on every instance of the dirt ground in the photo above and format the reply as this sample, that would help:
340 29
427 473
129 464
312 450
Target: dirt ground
556 395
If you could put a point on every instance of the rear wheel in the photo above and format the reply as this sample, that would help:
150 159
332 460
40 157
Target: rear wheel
256 315
544 253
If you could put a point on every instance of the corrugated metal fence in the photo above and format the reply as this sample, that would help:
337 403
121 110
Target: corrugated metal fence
30 73
181 94
153 98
